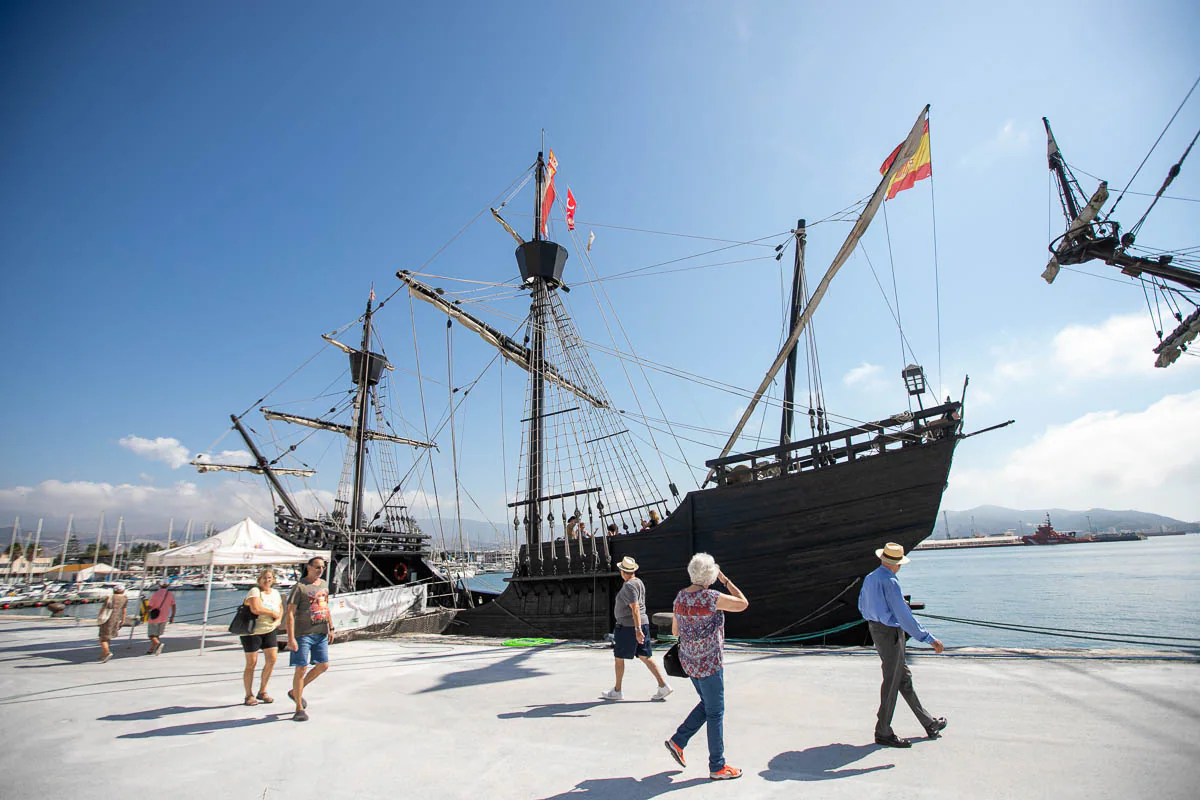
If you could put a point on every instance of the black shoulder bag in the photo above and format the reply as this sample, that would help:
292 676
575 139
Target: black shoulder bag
243 621
672 664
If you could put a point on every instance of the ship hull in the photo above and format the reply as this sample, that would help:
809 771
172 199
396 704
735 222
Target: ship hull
797 545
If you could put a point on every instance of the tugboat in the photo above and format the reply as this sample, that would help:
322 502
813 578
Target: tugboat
1046 534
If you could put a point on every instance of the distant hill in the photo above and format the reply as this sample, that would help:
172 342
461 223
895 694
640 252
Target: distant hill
996 519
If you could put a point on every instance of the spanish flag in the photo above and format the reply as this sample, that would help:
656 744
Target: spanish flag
918 168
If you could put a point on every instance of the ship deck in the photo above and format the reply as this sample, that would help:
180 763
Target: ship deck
458 718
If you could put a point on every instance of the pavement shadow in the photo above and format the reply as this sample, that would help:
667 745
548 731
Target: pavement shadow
629 788
159 713
199 728
822 763
85 650
559 710
512 668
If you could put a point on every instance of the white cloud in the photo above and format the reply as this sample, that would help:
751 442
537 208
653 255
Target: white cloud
865 375
1010 139
1121 345
235 457
1147 460
165 449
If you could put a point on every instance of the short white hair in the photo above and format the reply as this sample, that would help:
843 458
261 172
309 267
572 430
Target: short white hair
703 570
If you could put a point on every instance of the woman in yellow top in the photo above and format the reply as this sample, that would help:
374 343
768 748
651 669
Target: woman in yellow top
267 604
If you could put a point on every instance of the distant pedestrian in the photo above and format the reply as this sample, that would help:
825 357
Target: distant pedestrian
160 611
612 529
111 618
267 604
573 527
309 632
631 637
699 622
882 605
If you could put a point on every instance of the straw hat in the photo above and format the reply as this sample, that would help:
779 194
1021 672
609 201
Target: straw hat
627 564
892 553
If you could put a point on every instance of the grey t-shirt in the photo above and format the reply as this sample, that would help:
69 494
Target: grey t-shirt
632 591
312 607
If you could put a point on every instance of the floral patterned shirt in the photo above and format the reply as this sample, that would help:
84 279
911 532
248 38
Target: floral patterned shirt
701 632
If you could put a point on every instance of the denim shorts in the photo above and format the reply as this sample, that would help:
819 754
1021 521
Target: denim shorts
625 643
312 649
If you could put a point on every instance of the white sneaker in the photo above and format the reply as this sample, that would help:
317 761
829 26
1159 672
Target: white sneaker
612 694
662 692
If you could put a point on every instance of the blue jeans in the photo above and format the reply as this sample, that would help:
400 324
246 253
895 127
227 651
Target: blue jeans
711 709
314 646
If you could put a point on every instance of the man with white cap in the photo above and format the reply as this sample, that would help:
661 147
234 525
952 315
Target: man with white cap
882 605
631 637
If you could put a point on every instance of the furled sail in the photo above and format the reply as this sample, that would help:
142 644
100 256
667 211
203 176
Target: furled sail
207 466
510 349
346 430
906 151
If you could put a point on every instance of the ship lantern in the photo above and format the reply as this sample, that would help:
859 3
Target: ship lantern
914 380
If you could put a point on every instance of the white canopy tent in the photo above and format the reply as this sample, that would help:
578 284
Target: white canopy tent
246 542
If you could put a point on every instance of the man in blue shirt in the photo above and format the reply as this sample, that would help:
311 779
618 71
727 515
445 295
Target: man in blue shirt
882 605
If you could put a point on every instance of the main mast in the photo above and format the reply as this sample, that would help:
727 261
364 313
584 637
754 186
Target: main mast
789 380
362 376
541 263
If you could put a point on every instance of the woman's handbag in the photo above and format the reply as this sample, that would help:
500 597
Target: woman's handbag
672 663
105 612
243 621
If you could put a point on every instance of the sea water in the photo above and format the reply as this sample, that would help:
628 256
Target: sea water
1146 588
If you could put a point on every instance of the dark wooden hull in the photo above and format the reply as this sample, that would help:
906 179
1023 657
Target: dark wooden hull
797 545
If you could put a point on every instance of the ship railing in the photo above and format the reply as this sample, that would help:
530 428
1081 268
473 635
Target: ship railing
907 429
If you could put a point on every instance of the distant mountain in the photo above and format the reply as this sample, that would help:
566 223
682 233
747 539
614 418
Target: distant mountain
996 519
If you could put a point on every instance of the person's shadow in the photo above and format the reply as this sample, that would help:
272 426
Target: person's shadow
822 763
159 713
196 728
556 710
628 788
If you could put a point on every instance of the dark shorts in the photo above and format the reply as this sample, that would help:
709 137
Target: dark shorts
263 641
625 643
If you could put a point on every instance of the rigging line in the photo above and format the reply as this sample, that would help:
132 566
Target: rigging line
291 375
452 239
590 266
1129 282
425 421
625 277
896 293
733 242
883 292
453 432
937 281
1152 147
1136 194
676 260
511 283
1171 175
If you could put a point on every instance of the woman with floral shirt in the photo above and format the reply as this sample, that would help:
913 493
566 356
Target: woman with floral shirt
699 622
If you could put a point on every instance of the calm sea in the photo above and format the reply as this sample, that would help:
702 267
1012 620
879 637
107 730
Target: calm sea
1149 587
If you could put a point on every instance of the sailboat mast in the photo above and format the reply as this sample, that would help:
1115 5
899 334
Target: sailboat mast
360 419
266 468
537 324
789 380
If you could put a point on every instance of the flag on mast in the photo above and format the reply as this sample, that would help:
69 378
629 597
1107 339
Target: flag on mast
548 192
591 240
917 168
570 209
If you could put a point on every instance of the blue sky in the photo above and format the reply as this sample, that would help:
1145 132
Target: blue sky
193 194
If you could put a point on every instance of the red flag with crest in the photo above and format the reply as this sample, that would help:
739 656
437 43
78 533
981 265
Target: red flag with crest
548 192
570 209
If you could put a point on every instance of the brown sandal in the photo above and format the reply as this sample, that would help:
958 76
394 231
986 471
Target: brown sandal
249 701
263 697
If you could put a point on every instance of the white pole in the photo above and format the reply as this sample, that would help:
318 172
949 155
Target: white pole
12 548
187 535
170 530
207 599
99 535
66 542
37 542
117 546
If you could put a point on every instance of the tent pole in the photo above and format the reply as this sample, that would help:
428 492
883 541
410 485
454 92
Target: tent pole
207 598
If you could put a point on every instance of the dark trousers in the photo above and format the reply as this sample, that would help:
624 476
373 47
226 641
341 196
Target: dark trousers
897 679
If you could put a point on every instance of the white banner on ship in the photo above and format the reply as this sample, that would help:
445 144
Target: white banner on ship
355 610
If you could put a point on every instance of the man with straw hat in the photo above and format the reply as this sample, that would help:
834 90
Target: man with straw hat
632 634
882 605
